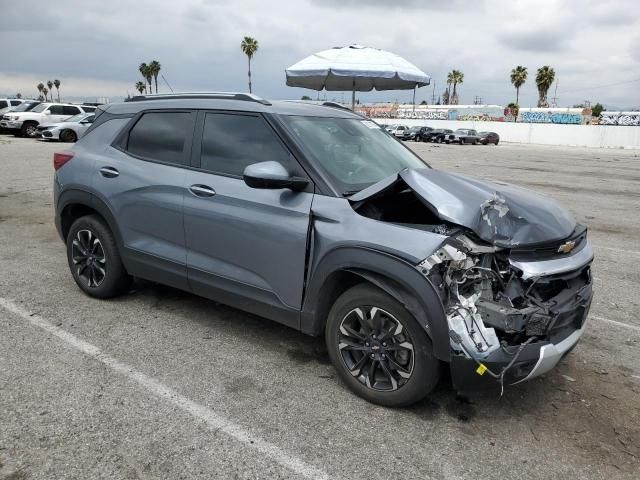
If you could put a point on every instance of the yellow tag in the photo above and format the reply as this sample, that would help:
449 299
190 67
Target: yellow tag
481 369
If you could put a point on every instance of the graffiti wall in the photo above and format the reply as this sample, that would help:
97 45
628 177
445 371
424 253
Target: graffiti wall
620 118
492 113
571 116
489 113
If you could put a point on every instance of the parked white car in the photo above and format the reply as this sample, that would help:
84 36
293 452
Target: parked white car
68 131
7 104
399 130
26 123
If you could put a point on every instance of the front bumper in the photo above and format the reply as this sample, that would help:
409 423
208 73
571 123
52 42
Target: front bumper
569 309
49 134
11 125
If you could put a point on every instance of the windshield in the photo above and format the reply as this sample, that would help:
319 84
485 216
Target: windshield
355 153
40 108
76 118
25 106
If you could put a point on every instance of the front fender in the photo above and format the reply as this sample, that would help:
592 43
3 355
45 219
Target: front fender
393 275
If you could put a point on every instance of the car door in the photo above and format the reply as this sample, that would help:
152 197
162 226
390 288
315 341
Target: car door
55 114
246 247
69 111
141 178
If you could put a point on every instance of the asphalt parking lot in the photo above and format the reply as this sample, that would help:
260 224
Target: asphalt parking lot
164 384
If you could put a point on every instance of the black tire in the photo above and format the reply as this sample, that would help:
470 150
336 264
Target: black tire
68 136
496 142
94 260
416 371
29 129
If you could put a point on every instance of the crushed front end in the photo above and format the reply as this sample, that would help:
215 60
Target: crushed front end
512 313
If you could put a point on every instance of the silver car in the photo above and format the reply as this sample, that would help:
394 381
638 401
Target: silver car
68 131
315 217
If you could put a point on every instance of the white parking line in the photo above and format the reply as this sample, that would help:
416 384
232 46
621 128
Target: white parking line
621 250
214 420
615 322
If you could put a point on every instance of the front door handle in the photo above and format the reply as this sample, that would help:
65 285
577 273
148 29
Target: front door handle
202 190
109 172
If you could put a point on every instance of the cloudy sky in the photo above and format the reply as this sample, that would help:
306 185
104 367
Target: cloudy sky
95 47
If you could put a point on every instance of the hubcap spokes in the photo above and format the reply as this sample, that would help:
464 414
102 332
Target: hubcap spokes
88 258
376 348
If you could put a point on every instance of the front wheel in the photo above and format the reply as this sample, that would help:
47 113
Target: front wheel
68 136
378 348
94 259
29 129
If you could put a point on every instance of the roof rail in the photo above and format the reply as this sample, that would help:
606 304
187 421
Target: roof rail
247 97
336 105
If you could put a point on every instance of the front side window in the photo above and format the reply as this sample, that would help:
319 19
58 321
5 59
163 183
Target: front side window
231 142
40 108
3 104
355 153
15 102
88 109
160 136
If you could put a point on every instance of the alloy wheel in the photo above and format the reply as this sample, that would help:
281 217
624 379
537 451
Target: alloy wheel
376 348
88 258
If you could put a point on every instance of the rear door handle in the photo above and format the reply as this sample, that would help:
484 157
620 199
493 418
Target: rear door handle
202 190
109 172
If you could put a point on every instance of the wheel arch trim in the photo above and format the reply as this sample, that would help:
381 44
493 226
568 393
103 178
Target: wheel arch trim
74 196
393 275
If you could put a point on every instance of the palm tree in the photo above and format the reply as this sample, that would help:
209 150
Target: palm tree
141 87
155 67
449 82
518 77
40 89
457 77
544 79
57 83
50 85
146 74
18 95
45 90
249 46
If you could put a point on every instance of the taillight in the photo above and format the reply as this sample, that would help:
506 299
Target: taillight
60 158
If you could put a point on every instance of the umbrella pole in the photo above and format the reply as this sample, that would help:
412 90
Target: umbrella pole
414 98
353 96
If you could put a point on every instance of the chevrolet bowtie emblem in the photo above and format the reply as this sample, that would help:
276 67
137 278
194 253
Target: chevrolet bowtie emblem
566 247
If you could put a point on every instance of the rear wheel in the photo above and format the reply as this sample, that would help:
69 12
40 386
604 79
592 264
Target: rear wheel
496 142
94 259
378 348
68 136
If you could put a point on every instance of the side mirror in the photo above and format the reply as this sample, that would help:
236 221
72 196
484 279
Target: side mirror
271 175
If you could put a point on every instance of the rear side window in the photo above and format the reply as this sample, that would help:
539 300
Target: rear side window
67 110
15 102
57 110
160 136
231 142
3 104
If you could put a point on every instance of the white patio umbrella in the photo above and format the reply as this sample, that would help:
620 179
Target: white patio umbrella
355 68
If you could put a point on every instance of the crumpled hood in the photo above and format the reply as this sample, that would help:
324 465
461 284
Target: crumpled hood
501 214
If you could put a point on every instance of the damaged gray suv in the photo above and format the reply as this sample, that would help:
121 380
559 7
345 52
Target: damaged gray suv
317 218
